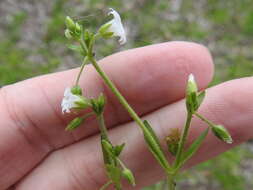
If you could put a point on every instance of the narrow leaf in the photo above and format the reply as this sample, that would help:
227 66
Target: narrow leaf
75 48
194 147
200 98
155 146
114 173
108 153
118 149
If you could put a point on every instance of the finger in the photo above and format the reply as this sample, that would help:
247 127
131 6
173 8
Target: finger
150 77
80 166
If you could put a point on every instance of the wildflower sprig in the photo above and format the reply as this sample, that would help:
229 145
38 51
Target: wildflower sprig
176 139
75 101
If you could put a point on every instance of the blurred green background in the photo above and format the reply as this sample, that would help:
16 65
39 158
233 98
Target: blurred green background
32 43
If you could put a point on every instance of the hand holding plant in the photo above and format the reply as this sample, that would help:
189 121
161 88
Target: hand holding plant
176 141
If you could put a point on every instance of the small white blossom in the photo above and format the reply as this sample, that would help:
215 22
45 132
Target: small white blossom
191 78
116 26
69 101
192 87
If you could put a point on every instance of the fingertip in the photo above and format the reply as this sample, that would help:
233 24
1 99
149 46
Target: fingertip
194 58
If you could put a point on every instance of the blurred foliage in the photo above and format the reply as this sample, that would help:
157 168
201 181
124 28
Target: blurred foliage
14 63
225 27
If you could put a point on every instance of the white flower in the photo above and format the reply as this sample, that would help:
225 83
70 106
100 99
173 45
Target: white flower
191 78
116 26
70 101
191 85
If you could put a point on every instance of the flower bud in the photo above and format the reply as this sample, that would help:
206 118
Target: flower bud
104 31
70 24
191 85
88 37
78 28
76 90
82 103
191 95
222 133
74 124
129 176
98 104
68 34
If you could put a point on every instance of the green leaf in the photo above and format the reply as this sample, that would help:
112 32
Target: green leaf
108 152
77 49
77 90
194 147
200 98
118 149
154 145
152 132
114 173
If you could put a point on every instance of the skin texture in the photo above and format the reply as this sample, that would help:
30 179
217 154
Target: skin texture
36 152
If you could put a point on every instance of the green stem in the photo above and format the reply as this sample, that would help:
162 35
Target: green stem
183 139
171 182
102 127
121 163
106 185
117 93
211 124
81 70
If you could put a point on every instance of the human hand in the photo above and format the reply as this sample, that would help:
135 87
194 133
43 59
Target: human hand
37 153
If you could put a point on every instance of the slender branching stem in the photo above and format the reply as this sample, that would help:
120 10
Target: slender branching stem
81 70
117 93
106 185
183 139
211 124
121 163
102 127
